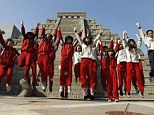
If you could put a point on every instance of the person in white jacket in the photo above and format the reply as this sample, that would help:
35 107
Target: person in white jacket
88 64
77 62
121 66
132 65
149 42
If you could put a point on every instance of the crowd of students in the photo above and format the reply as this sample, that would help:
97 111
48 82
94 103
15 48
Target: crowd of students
121 58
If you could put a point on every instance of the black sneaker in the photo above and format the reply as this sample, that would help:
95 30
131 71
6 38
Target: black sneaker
125 91
66 97
92 97
121 92
86 97
50 89
137 90
62 95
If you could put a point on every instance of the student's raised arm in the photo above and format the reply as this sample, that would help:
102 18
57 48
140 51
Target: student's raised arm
140 31
98 37
22 28
124 34
43 31
58 34
139 41
78 37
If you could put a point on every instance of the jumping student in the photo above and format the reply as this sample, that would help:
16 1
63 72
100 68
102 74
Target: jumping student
46 57
66 62
149 42
132 65
8 55
27 48
77 62
88 64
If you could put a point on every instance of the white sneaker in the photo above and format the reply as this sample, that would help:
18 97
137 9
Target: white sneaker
92 91
85 92
116 100
44 86
61 89
128 95
69 89
8 88
110 100
142 95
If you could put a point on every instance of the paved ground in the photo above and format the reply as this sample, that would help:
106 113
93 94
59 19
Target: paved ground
50 106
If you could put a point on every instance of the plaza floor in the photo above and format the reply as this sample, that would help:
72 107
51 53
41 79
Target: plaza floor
52 106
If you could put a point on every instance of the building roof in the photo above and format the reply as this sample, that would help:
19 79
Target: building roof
11 31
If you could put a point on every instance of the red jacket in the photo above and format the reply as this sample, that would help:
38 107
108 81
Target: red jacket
103 57
106 61
111 62
46 47
8 56
67 51
35 55
27 46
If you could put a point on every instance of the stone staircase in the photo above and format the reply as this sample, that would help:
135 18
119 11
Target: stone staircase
67 25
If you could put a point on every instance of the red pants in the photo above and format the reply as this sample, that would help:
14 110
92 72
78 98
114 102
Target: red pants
34 72
25 59
46 67
141 71
51 72
112 84
77 71
122 74
134 82
88 69
66 72
104 74
133 67
6 71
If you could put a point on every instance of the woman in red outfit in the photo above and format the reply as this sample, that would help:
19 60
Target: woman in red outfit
27 49
112 76
46 57
7 58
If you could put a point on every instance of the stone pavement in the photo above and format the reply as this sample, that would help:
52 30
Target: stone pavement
53 106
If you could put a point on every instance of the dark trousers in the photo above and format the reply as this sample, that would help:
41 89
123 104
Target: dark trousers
151 61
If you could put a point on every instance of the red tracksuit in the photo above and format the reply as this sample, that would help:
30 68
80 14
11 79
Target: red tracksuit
77 71
134 82
27 48
66 66
121 66
46 60
34 65
122 74
7 62
104 71
112 78
88 69
133 67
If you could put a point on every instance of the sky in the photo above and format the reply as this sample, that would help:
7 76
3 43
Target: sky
116 15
